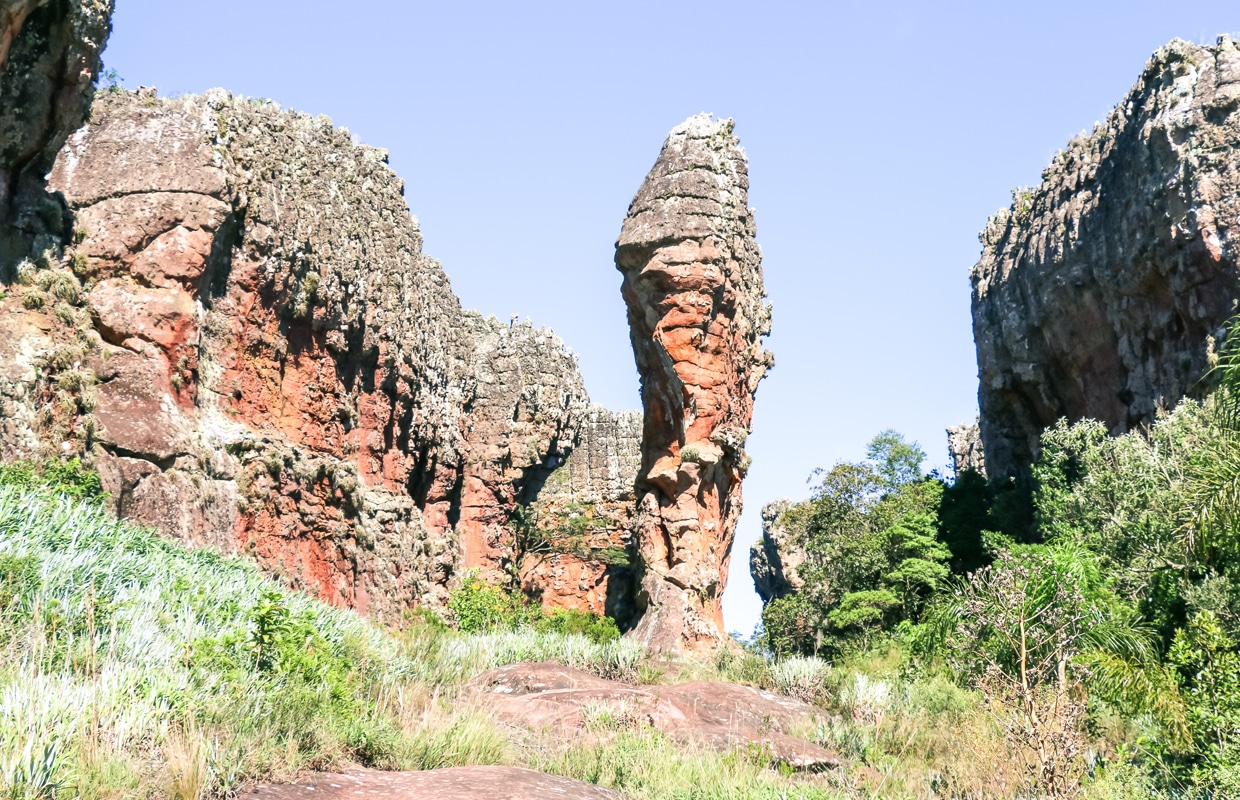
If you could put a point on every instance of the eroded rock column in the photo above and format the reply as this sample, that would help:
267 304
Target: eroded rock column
693 285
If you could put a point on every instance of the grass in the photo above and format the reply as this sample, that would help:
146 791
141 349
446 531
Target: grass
129 664
131 667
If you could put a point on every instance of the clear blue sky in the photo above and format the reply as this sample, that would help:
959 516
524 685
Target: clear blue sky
881 137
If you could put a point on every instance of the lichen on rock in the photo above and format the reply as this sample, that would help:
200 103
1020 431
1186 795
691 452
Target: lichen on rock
272 364
1100 292
693 286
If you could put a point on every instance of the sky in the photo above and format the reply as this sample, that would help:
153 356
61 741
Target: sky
881 137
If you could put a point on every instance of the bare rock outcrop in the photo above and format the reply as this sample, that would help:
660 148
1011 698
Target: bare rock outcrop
448 783
964 445
697 317
249 342
774 558
49 63
547 696
1102 292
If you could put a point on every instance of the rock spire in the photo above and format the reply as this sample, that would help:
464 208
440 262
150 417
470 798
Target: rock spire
693 286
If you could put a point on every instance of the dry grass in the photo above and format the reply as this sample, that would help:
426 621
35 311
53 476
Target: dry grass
185 761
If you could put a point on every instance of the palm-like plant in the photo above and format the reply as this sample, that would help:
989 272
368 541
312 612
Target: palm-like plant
1039 632
1211 524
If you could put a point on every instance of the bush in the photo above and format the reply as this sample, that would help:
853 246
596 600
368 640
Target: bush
569 621
69 478
480 607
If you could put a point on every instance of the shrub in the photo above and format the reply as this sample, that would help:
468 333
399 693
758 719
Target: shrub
69 478
802 677
596 628
478 607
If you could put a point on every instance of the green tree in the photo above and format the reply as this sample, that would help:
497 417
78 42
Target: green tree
964 515
895 461
872 559
1205 657
920 561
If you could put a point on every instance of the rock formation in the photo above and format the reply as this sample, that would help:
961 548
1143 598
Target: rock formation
693 286
774 558
579 555
964 445
49 62
550 697
445 783
1102 292
248 341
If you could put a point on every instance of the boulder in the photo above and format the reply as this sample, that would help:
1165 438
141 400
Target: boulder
452 783
720 715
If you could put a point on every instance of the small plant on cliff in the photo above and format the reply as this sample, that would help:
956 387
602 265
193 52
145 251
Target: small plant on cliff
112 80
1022 202
563 531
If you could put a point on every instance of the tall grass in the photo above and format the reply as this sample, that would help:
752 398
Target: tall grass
130 667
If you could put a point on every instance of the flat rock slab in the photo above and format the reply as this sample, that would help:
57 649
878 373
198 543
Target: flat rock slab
454 783
721 715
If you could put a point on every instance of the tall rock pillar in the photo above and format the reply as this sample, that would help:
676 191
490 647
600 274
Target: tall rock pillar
693 286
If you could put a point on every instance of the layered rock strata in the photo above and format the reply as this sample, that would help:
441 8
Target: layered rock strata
49 63
577 553
248 340
1103 292
693 286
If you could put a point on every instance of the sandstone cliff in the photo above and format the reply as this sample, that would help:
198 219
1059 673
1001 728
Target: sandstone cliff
247 338
697 316
49 62
1101 292
964 445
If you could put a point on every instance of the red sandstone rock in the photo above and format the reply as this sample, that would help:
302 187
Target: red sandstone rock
453 783
718 715
593 491
263 329
693 286
243 335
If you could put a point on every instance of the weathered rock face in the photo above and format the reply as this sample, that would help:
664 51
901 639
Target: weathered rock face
964 444
693 286
773 559
1101 292
578 554
49 61
250 342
